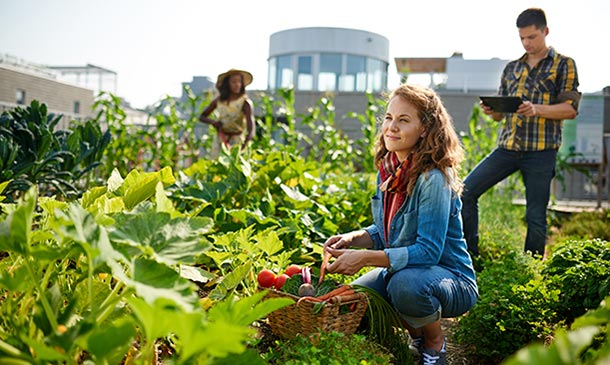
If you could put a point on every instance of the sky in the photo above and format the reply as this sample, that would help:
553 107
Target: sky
154 46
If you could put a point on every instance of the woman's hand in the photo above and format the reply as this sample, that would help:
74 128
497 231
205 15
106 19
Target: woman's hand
338 241
348 262
336 246
358 238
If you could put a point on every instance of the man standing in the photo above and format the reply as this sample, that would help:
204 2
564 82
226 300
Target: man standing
547 82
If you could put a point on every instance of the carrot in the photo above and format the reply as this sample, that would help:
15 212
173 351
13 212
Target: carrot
325 261
342 290
352 307
342 294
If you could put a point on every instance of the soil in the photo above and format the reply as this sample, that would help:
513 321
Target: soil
266 336
455 353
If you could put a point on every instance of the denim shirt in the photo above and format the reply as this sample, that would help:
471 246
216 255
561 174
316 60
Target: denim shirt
426 230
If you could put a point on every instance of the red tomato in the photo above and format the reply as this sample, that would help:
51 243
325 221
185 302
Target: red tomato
293 269
281 279
266 278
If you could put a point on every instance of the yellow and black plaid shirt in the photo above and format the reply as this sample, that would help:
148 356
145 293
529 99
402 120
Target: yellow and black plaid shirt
554 80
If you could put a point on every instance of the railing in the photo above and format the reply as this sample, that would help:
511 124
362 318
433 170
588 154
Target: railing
11 60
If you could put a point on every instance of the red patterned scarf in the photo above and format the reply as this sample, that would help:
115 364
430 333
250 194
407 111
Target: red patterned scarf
393 175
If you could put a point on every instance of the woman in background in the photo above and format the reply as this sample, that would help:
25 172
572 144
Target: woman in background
233 111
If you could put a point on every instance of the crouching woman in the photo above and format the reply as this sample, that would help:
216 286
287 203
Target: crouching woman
416 243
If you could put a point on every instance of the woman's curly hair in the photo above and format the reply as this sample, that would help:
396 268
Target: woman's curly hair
439 148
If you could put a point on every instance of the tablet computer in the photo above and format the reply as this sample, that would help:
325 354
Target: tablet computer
502 104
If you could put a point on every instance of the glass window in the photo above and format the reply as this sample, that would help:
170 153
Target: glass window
285 72
354 78
77 107
377 75
286 77
305 74
305 82
346 83
304 64
327 81
330 70
272 73
20 96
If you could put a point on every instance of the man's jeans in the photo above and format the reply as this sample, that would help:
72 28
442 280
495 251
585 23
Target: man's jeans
537 169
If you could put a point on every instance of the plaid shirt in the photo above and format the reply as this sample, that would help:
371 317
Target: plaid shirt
554 80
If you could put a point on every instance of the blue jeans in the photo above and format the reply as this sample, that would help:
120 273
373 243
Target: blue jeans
537 169
422 295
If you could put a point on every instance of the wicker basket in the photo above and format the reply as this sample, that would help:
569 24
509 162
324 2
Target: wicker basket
342 314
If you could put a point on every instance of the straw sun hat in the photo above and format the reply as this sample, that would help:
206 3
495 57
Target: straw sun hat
244 74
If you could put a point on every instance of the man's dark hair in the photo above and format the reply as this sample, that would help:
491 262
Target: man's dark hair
532 16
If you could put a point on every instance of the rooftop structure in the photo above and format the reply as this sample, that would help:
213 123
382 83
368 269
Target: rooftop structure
454 73
89 76
328 59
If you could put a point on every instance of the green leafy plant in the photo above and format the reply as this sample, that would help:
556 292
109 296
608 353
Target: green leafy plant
369 121
584 225
85 282
513 310
326 143
266 189
32 152
125 146
87 143
586 342
481 138
236 258
580 271
501 228
328 348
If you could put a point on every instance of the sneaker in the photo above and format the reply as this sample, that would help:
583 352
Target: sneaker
417 345
433 357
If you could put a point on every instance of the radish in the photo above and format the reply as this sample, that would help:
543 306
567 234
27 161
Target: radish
306 289
306 273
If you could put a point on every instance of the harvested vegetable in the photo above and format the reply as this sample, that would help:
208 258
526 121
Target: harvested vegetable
280 281
343 290
346 293
293 283
266 278
325 261
306 273
292 270
306 290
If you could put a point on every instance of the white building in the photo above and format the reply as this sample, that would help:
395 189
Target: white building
328 59
465 75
